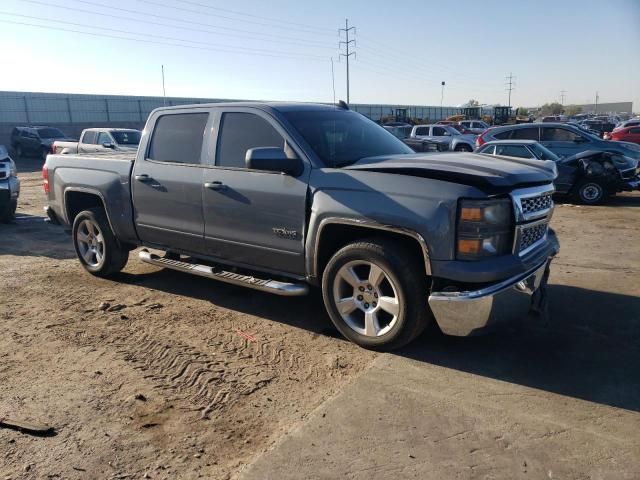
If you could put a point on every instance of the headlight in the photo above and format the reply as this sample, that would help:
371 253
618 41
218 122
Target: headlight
484 229
13 171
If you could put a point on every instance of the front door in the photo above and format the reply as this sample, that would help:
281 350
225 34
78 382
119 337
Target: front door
254 218
563 142
167 183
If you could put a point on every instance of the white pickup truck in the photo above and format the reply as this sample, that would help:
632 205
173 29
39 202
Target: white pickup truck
100 139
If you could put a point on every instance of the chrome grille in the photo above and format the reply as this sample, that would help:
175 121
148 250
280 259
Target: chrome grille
536 204
530 234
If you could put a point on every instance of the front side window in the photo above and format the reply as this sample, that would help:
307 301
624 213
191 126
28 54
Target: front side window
513 151
543 153
490 150
103 138
555 134
240 132
634 130
126 137
178 138
440 132
50 133
342 137
89 138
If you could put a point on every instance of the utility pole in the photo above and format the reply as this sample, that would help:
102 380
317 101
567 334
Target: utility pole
441 98
164 92
563 93
347 43
510 86
596 106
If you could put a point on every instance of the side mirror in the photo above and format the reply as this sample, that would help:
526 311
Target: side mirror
579 139
108 145
272 159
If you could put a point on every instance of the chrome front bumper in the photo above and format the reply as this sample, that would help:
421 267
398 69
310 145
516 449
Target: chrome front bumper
468 312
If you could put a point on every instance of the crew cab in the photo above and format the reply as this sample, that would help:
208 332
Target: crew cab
100 139
283 197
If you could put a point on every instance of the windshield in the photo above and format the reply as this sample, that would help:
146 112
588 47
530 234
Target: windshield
130 137
342 137
543 153
50 133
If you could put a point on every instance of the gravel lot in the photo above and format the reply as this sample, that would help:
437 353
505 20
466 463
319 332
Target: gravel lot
157 374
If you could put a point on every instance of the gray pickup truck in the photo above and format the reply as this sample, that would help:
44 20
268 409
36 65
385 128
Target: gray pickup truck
281 197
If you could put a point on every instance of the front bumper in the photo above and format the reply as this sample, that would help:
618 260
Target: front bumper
468 312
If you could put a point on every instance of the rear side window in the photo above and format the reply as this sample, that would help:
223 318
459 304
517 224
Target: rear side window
513 151
89 137
502 135
422 131
525 134
241 131
634 130
178 138
490 150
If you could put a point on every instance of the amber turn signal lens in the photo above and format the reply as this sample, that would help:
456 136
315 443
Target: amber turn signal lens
471 214
468 247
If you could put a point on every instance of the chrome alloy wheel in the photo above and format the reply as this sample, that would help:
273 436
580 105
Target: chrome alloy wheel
366 298
90 243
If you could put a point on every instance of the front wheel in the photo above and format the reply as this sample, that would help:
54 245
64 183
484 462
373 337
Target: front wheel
8 213
96 246
375 294
463 147
590 192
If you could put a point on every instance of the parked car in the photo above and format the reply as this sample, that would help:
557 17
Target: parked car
634 122
445 133
35 141
9 186
628 134
475 127
591 177
99 140
417 144
554 118
396 124
277 197
598 126
561 138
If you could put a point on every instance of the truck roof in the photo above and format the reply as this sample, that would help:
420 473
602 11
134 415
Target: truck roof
100 129
279 106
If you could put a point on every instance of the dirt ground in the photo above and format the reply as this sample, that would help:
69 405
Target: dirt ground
157 374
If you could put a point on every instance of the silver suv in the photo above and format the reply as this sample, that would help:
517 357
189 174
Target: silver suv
444 133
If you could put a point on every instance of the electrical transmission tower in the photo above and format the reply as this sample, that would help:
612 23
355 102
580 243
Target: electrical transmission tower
510 86
563 93
347 44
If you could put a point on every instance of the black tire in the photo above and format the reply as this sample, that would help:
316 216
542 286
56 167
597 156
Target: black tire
113 256
463 147
406 279
8 213
19 152
590 192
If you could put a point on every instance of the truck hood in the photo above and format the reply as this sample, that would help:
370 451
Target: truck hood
465 168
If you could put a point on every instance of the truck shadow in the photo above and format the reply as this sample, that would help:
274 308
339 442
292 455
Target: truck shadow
30 236
589 349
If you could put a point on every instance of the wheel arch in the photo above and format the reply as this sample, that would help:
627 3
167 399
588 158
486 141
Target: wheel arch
78 199
334 233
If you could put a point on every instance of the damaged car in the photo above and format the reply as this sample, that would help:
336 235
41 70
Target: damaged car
9 186
590 177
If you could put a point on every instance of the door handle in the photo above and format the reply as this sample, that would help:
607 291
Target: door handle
143 178
217 185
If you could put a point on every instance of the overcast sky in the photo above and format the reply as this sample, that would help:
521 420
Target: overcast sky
281 49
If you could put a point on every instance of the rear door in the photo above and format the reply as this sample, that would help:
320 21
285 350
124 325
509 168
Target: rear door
256 218
167 182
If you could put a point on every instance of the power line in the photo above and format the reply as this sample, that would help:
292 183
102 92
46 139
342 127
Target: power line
347 43
236 49
198 12
244 14
162 37
510 86
266 36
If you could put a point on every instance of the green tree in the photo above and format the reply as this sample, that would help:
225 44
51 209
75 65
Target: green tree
522 112
572 110
551 109
473 102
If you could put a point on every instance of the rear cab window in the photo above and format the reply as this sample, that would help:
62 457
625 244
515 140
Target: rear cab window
178 138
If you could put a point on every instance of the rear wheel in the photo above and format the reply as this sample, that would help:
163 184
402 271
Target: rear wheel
590 192
44 154
375 294
96 246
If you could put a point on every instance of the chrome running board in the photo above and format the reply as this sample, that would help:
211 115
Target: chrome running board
265 285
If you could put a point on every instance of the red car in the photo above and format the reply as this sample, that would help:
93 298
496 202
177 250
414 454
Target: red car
628 134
